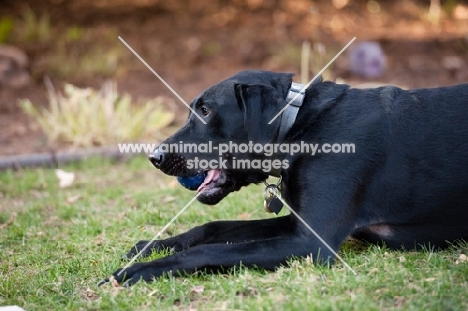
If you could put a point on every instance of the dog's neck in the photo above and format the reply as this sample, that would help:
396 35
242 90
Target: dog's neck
294 100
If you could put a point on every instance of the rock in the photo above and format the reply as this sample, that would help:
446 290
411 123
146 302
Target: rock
19 57
13 67
367 59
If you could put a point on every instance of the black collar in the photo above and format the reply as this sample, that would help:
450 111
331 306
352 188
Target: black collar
294 99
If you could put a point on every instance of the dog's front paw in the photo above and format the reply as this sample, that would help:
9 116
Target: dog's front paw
131 275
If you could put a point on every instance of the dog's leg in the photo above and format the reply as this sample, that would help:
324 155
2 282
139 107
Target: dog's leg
268 254
218 232
269 247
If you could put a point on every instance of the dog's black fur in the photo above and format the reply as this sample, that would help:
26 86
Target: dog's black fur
406 184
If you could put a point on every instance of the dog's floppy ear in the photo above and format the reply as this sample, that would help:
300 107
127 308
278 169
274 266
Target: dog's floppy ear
260 103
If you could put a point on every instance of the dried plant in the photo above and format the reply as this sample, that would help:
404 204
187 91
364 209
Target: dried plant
88 117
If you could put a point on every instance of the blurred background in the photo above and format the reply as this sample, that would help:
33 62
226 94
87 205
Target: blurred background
64 73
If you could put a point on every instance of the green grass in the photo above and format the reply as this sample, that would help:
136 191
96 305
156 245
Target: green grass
63 241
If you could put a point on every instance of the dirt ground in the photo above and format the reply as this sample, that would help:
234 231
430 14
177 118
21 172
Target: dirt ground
193 44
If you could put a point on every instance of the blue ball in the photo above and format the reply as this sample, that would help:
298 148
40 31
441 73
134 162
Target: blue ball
192 182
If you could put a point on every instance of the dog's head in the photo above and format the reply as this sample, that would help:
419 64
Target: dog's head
237 111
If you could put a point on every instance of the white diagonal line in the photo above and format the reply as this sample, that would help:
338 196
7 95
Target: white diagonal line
162 80
315 233
313 79
159 233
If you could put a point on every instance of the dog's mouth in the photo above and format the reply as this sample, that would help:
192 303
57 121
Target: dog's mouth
213 188
213 178
216 183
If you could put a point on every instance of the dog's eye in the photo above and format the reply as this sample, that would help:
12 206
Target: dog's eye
205 111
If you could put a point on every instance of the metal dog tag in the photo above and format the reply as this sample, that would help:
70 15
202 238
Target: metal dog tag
275 205
272 203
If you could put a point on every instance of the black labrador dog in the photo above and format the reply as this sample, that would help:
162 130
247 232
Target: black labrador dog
405 183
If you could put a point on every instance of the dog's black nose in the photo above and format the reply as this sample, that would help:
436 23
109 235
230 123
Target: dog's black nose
156 157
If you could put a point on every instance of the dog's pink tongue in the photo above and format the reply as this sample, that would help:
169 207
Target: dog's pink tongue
210 176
